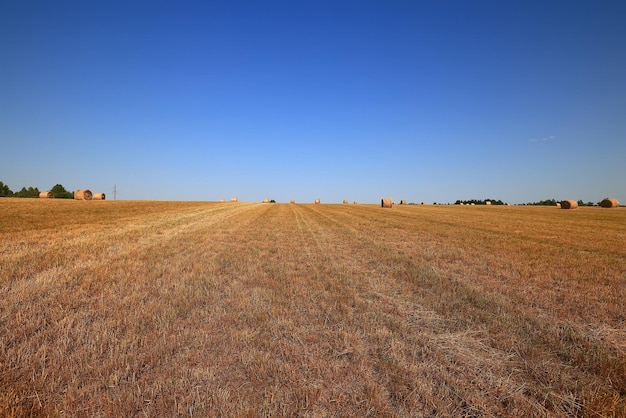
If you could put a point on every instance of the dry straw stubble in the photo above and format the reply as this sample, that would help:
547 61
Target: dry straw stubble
317 307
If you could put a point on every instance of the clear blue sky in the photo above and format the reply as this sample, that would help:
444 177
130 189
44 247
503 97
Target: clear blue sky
419 100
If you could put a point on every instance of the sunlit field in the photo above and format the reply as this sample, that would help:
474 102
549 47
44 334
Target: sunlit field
123 308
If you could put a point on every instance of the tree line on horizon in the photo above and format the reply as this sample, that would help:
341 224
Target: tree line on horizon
553 202
58 191
547 202
479 202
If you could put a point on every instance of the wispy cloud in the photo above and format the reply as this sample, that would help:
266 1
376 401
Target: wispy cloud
544 139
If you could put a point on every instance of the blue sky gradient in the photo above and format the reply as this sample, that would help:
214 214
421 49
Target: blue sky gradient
426 101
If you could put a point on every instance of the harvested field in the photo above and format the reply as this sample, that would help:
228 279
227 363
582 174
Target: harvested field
192 308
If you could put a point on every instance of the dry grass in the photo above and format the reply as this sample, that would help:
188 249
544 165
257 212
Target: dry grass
191 308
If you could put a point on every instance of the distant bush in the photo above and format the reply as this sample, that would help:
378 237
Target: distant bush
30 192
479 202
5 191
547 202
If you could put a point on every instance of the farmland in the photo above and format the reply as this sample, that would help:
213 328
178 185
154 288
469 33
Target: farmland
138 308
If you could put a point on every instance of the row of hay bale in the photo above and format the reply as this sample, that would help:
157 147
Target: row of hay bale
386 202
608 202
87 195
78 195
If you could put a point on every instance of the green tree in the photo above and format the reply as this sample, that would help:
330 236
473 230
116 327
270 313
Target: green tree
30 192
5 191
60 192
58 189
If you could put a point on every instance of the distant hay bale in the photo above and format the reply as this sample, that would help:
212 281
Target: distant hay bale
221 201
99 196
46 195
266 200
317 201
558 205
609 202
292 201
488 202
403 202
386 202
569 204
423 203
345 201
83 195
472 204
233 199
355 202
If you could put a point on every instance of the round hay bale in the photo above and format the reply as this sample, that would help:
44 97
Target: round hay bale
558 205
99 196
266 200
292 201
83 194
233 199
386 202
221 201
488 202
345 201
609 202
317 201
569 204
355 202
403 202
46 195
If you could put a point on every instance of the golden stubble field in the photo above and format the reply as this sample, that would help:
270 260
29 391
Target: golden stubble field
122 308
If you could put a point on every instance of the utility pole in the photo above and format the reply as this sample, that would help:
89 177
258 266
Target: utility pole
114 192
